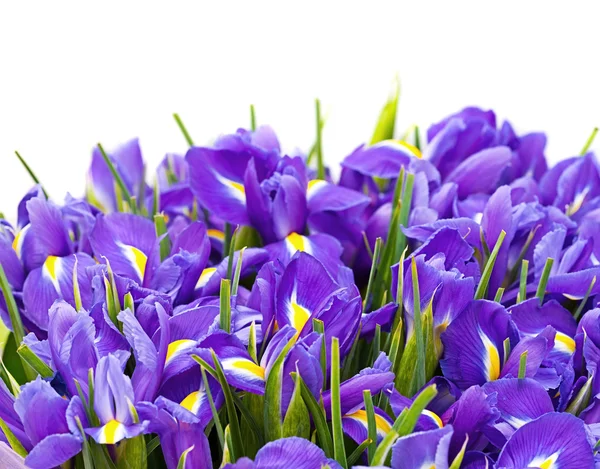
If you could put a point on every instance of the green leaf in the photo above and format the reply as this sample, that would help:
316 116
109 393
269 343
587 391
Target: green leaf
15 365
237 447
404 212
9 379
76 290
252 118
252 423
213 408
152 445
579 309
374 264
131 454
13 441
541 289
225 305
236 275
183 458
297 420
184 131
404 424
589 142
339 450
386 124
319 328
371 424
227 449
319 142
4 335
318 415
32 174
481 292
360 449
272 410
88 461
160 227
522 365
461 454
13 311
420 375
582 399
124 192
522 296
499 295
35 362
252 350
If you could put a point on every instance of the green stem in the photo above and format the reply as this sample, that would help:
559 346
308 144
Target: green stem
319 143
589 142
541 289
31 173
184 131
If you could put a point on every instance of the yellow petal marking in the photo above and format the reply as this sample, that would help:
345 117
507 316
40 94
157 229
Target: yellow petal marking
492 358
217 234
177 346
300 316
136 258
51 265
205 276
545 462
433 416
249 366
296 242
382 424
110 432
564 343
192 401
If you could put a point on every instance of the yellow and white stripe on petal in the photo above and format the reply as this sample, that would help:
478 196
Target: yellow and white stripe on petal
545 462
383 426
236 189
193 401
400 145
433 416
176 347
215 234
136 258
491 358
205 277
296 242
314 186
245 367
51 270
564 343
17 243
297 314
111 433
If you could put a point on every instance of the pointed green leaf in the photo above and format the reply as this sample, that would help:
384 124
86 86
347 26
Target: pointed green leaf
579 309
160 227
272 410
35 362
339 450
522 365
184 131
318 415
541 289
461 454
225 305
297 420
386 124
371 424
183 458
124 192
32 174
13 441
252 118
481 292
319 142
589 142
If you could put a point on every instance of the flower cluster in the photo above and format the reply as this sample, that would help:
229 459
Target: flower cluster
433 308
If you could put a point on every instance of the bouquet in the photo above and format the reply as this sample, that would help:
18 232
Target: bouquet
434 306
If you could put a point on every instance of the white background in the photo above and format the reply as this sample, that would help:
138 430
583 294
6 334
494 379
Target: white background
76 73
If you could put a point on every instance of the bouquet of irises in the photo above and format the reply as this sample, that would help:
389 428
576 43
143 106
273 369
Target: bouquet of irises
433 306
